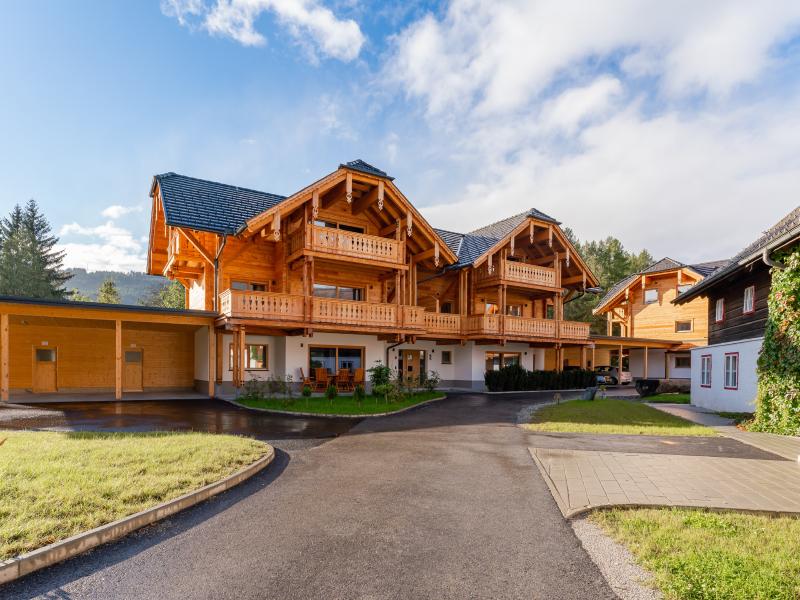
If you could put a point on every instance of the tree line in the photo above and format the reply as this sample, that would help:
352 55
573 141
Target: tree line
31 266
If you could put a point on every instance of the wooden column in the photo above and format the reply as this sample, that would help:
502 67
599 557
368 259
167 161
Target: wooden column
594 364
212 361
609 324
583 357
219 354
242 351
619 365
118 359
4 353
645 362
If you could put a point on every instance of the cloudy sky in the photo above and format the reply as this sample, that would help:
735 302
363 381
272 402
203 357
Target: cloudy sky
674 126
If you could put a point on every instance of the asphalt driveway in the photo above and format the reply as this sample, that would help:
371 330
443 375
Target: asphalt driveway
440 502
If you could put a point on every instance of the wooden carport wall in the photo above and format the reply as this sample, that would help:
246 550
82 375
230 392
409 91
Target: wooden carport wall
93 313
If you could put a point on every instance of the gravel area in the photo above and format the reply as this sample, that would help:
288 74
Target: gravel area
628 580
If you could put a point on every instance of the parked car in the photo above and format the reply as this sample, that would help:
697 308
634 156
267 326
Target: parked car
611 376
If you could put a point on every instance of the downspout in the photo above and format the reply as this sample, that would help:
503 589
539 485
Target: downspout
389 348
769 262
216 269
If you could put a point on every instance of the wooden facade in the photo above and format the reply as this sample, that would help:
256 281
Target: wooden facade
738 323
350 254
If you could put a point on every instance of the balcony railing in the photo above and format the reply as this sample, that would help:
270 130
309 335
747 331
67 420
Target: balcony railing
518 272
272 306
347 243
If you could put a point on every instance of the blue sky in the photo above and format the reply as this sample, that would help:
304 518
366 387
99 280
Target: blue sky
674 128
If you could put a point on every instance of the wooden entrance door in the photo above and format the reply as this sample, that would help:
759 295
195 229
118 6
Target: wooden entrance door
411 365
132 372
44 370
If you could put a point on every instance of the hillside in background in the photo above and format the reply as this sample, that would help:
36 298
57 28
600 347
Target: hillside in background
132 286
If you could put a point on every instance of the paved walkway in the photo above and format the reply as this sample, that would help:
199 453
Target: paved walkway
786 446
440 502
582 480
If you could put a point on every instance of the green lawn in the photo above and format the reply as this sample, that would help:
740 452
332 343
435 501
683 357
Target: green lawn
612 416
668 398
342 405
54 485
695 554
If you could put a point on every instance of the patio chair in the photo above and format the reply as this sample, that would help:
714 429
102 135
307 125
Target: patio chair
343 381
305 381
322 379
358 377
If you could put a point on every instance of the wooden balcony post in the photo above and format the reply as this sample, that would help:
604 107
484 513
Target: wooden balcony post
118 360
4 354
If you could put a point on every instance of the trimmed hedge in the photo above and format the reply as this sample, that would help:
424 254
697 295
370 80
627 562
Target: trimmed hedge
778 401
515 378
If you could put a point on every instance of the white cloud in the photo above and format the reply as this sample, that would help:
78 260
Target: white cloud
577 105
115 211
110 247
313 26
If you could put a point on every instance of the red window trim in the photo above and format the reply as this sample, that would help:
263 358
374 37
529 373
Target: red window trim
749 312
710 371
724 370
722 319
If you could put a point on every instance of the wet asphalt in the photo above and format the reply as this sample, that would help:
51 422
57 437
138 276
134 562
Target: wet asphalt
440 502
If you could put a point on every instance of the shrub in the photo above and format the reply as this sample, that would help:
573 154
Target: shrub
516 378
778 400
253 389
432 381
306 391
379 375
331 393
359 393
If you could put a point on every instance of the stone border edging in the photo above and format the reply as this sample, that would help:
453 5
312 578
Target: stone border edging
289 413
56 552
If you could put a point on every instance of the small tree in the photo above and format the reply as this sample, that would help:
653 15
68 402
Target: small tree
432 381
359 393
171 294
77 296
331 393
108 293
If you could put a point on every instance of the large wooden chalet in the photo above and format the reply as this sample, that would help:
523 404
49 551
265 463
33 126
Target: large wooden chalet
346 272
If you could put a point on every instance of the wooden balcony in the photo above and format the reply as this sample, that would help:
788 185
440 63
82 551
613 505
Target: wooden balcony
517 273
329 242
300 311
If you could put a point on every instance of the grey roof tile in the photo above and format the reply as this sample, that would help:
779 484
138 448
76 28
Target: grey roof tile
365 167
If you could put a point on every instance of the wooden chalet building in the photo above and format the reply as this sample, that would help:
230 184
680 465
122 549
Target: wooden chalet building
724 372
339 275
653 335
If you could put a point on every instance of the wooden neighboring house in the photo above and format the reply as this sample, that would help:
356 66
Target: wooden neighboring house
724 372
339 275
653 335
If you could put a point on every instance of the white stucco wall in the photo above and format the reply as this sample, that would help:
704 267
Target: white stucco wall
717 397
275 359
655 363
296 349
678 373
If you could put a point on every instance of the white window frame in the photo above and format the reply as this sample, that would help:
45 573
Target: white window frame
731 371
749 300
705 371
449 354
719 310
654 290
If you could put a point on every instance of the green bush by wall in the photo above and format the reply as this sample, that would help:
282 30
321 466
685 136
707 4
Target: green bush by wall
516 378
778 401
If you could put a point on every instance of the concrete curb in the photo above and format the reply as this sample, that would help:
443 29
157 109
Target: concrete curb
290 413
77 544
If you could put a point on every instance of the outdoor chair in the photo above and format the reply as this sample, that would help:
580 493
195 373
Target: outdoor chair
358 378
322 379
343 380
306 381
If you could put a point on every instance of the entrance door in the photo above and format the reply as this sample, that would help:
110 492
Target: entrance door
132 373
44 370
412 363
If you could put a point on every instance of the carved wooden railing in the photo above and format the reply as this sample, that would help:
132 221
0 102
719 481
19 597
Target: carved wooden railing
261 305
518 272
480 324
573 330
520 326
413 317
348 243
352 312
442 323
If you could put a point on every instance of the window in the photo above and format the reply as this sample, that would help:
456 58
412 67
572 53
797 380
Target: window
447 357
683 362
650 296
495 360
749 303
45 355
340 292
705 371
342 226
446 307
681 326
333 358
255 357
247 286
550 312
732 371
719 310
683 287
133 356
514 310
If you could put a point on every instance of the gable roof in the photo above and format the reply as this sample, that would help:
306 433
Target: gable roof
365 167
784 231
660 266
208 205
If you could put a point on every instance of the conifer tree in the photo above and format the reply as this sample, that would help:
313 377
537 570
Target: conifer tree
108 293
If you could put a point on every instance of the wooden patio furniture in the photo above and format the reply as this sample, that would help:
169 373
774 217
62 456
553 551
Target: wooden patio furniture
322 379
358 377
343 382
305 381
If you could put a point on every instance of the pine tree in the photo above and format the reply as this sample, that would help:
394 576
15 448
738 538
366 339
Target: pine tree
77 296
108 293
29 264
170 295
